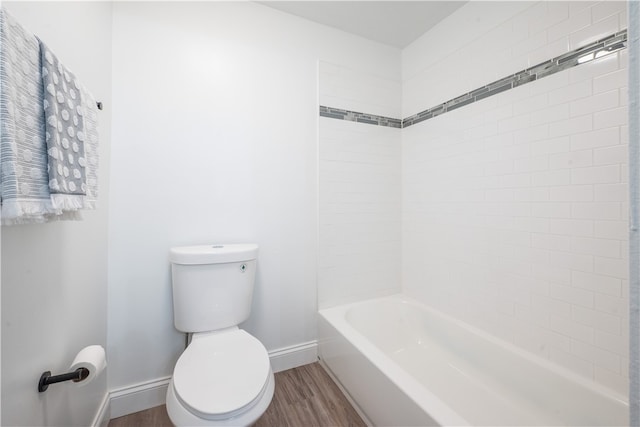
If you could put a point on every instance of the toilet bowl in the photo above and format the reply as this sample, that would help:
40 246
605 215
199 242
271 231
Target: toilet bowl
223 378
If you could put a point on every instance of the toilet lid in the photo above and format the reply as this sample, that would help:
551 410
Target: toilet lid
221 372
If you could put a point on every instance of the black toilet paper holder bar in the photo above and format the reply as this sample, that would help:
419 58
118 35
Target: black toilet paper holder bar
76 376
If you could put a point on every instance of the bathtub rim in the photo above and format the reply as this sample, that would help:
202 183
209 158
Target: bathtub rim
442 413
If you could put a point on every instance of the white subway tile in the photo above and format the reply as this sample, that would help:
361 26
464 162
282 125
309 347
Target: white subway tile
576 7
623 58
595 355
539 225
624 96
571 362
553 113
575 22
605 9
610 81
571 159
594 246
611 230
617 306
551 146
515 180
576 262
571 193
535 194
596 210
515 152
551 306
555 275
610 118
614 267
531 164
611 192
618 344
532 134
571 329
515 238
572 295
598 138
572 227
533 103
555 177
531 43
597 67
596 175
550 241
551 210
599 102
510 124
594 32
529 316
611 155
500 167
617 382
597 283
549 50
499 195
564 95
570 126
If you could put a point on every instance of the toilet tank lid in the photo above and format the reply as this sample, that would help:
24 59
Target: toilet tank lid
213 254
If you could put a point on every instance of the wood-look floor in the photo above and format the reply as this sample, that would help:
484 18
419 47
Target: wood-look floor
304 396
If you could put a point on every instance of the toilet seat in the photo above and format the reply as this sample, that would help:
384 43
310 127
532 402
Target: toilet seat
221 374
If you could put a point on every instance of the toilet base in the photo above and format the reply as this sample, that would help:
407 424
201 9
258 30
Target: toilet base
181 416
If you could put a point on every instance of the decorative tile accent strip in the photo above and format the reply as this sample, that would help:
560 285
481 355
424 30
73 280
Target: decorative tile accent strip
597 49
353 116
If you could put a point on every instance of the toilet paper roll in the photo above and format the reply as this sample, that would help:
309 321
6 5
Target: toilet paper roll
91 358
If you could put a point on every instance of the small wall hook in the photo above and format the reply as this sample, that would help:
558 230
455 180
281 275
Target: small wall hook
76 376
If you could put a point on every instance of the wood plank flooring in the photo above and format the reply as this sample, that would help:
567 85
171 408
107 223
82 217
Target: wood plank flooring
304 396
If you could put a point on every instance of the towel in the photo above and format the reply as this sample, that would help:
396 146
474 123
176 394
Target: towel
24 184
65 133
90 114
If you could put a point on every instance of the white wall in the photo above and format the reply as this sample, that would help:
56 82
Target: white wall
515 207
54 276
215 140
359 189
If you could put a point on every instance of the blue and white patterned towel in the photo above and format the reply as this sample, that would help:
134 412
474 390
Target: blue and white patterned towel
91 148
65 134
24 184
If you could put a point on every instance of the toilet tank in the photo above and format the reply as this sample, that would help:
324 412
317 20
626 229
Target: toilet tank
212 285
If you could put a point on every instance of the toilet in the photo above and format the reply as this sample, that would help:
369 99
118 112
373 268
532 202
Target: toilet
224 376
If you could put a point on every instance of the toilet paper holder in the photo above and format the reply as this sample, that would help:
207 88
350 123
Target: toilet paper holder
76 376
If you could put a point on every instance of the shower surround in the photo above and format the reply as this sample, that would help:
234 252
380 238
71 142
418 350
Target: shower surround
512 210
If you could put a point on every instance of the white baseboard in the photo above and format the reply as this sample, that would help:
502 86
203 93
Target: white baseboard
138 397
104 412
293 356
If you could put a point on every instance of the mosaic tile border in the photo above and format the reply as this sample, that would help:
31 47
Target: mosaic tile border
354 116
597 49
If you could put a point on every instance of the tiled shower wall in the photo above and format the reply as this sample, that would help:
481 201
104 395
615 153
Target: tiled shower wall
515 206
360 195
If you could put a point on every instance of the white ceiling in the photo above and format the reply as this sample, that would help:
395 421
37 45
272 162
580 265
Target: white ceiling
396 23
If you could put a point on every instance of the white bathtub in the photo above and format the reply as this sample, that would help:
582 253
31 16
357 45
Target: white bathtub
406 364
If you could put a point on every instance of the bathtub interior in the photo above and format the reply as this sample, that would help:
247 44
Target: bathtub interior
484 380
